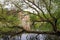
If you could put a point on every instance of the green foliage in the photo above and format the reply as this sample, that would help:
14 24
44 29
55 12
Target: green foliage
8 19
42 26
33 17
58 24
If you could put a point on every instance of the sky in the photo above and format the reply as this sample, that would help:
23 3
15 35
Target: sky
24 7
1 0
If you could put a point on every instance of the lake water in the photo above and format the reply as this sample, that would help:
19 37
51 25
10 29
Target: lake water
26 37
32 37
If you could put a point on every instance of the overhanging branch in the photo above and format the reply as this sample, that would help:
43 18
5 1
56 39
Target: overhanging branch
49 10
37 7
30 31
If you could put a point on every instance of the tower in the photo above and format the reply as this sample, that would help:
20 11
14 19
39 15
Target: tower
25 20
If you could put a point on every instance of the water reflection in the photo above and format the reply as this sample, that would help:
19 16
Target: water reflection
32 37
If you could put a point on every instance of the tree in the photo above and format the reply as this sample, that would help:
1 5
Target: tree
47 15
8 19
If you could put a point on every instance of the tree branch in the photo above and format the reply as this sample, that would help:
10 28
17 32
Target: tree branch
49 10
38 8
30 31
17 6
33 8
